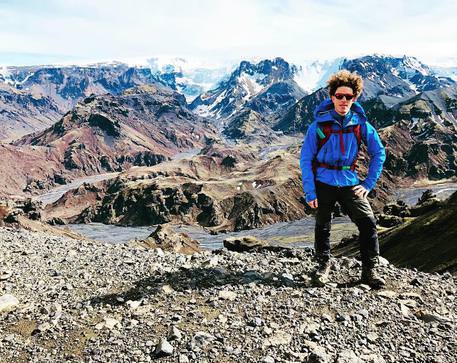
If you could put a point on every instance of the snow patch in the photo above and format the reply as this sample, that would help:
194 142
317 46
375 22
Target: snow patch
5 72
250 85
203 110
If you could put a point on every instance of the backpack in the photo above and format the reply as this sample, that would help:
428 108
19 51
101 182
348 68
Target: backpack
324 132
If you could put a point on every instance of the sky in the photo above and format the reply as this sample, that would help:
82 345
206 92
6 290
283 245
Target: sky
83 31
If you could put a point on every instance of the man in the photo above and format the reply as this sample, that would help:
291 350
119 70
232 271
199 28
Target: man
328 160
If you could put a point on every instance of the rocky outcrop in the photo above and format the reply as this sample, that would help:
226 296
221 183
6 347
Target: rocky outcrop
26 214
165 238
426 242
205 190
12 210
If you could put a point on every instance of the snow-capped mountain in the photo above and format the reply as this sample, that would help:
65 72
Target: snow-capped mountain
394 78
219 91
388 81
265 87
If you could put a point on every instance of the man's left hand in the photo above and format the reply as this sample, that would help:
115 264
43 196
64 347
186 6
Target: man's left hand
360 191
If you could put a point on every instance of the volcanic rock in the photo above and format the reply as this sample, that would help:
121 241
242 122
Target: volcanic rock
165 238
243 244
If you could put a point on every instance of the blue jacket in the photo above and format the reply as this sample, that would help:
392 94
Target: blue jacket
331 152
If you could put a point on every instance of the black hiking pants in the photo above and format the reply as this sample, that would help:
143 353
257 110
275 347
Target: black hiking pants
360 212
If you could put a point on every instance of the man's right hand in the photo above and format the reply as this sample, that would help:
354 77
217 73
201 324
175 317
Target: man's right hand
313 203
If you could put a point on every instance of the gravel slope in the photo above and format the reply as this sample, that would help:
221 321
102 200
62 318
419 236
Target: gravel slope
94 302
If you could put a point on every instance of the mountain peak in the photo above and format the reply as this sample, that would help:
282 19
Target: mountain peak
248 81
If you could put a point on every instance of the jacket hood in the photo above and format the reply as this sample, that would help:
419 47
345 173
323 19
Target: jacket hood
323 112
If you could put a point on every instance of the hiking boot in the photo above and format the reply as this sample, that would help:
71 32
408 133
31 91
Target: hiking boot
370 277
320 277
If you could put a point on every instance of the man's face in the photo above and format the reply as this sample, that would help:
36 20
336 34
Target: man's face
340 100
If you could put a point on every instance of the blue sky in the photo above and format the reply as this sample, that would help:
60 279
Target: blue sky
78 31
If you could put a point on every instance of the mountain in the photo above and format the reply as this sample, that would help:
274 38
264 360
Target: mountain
300 115
250 126
144 126
111 128
36 97
66 85
388 81
426 242
394 78
22 112
422 141
266 87
33 98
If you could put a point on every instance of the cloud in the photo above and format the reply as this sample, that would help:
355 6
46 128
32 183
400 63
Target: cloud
105 29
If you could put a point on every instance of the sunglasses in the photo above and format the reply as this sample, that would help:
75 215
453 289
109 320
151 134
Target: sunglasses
340 96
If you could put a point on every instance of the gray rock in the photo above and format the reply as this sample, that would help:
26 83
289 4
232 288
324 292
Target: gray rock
201 340
174 333
255 322
8 302
278 338
41 328
227 295
348 356
164 348
268 359
5 275
372 337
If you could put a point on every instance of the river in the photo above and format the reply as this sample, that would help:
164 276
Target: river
56 193
300 233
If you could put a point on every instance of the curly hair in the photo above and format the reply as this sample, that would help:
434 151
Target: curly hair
344 78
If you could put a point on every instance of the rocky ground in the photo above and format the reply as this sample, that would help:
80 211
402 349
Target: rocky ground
81 301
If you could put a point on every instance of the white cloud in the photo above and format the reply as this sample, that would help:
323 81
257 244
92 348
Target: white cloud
107 29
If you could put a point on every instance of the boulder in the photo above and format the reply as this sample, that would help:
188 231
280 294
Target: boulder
399 209
385 220
244 244
167 239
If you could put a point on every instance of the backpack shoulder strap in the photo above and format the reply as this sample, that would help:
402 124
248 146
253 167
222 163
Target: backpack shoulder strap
324 131
358 134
